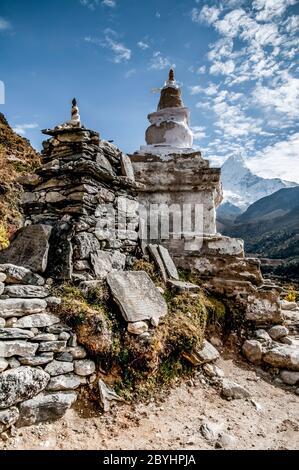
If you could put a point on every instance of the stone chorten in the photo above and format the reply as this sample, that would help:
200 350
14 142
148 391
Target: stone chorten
181 189
169 127
80 207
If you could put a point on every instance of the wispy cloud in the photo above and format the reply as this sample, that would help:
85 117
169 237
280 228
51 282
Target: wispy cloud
23 128
159 62
92 4
207 14
129 73
4 24
143 45
109 3
121 53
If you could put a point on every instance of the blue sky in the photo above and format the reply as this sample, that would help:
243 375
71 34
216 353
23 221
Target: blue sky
237 62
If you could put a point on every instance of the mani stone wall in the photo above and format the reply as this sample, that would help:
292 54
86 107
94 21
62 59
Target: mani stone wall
80 209
41 364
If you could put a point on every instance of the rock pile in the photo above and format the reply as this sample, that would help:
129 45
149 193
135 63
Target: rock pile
41 364
278 346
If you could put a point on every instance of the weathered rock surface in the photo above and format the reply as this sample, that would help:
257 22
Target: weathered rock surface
263 336
212 370
232 390
137 328
253 351
64 382
20 275
15 333
278 331
104 262
36 360
289 377
285 357
45 337
3 364
17 348
182 286
24 292
29 248
59 368
52 346
45 407
285 305
38 320
84 367
1 288
107 395
21 384
207 353
263 308
77 352
2 277
2 322
8 418
21 307
136 295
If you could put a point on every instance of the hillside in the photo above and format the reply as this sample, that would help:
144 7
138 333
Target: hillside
270 229
17 157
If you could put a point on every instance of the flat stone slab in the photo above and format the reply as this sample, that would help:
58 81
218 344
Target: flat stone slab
153 249
24 292
37 320
21 384
182 286
17 348
52 346
21 307
285 357
36 360
208 353
64 382
59 368
20 275
15 333
137 296
45 407
29 248
168 263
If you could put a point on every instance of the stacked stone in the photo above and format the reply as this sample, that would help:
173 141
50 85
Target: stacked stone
41 364
85 191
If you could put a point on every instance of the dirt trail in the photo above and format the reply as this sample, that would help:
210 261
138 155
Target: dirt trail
175 424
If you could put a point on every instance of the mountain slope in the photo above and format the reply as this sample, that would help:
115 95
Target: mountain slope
242 187
270 229
17 158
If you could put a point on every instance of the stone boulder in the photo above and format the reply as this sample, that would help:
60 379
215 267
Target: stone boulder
137 296
23 383
37 320
24 292
289 377
231 390
104 262
20 275
263 308
45 407
278 331
208 353
283 357
253 351
17 348
29 248
8 418
21 307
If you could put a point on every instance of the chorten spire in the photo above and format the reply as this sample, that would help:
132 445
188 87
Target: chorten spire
170 94
75 115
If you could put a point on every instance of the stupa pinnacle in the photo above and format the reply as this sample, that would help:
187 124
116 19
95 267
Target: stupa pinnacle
169 131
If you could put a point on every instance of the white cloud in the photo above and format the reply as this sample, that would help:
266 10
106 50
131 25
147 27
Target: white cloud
142 45
4 24
109 3
292 24
201 70
233 121
121 52
129 73
158 62
22 128
206 15
210 90
283 97
223 68
279 160
198 132
269 9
